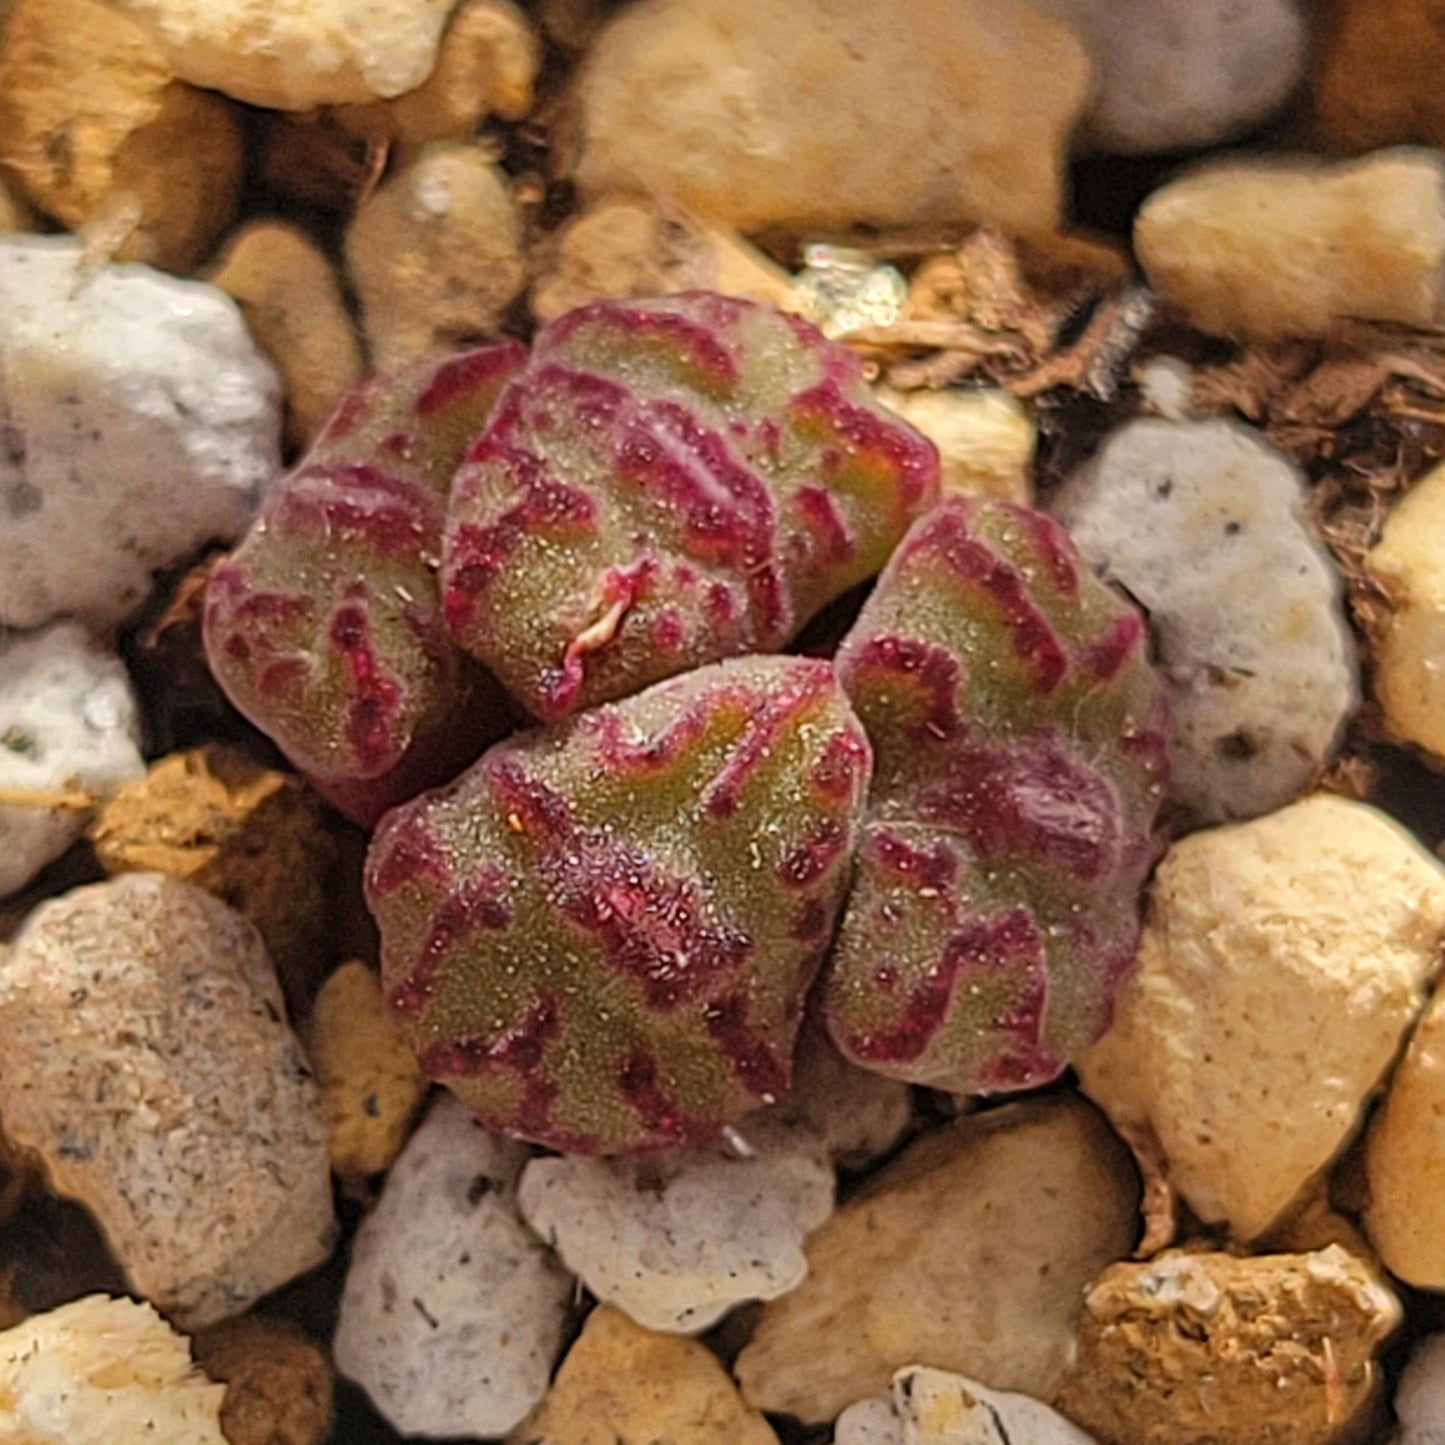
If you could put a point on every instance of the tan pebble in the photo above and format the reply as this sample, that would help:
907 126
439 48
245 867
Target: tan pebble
295 54
102 1372
967 1253
291 298
1210 1349
487 65
621 248
733 109
1377 74
98 133
149 1065
572 24
278 1384
1409 561
435 254
370 1083
1281 963
1270 249
623 1385
985 439
1405 1160
252 836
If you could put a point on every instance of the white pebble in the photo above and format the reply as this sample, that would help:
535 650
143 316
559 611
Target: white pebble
676 1240
103 1371
1204 523
934 1407
453 1313
1170 74
138 422
1420 1398
149 1065
68 721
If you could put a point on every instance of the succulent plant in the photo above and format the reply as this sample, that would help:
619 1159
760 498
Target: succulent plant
1017 727
601 935
324 627
668 483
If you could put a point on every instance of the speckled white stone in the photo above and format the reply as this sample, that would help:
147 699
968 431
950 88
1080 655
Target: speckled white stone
67 717
1204 523
1170 74
453 1313
675 1240
137 421
148 1063
934 1407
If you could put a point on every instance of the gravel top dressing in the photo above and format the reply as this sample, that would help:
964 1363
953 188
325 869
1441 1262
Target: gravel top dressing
722 723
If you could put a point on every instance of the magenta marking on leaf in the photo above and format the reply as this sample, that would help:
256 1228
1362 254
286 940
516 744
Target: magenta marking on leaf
467 374
660 1113
1105 657
1030 800
692 342
824 522
933 868
930 673
656 931
754 1062
1004 942
374 694
805 864
1000 581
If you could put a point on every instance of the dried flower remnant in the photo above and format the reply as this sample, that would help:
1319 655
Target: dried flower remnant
324 626
668 483
1019 735
601 935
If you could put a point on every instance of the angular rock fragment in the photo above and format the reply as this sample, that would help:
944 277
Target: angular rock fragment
677 1239
969 1251
453 1313
324 625
1210 1349
295 54
1278 248
369 1080
1282 961
100 1371
934 1407
148 1064
1408 562
1174 74
731 107
1020 760
69 734
1207 527
435 253
138 420
668 483
601 935
624 1385
250 835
